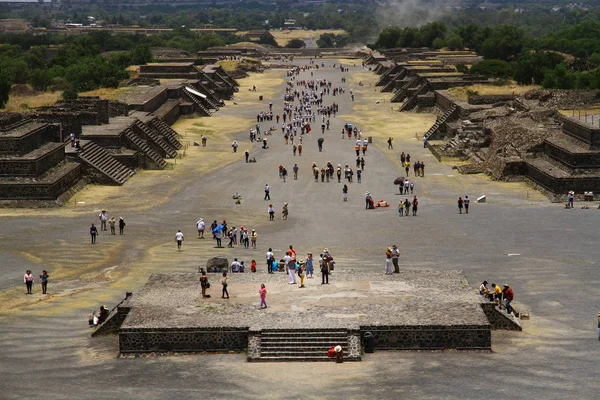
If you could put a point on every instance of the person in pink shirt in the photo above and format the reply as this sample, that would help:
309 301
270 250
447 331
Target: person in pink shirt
263 296
28 279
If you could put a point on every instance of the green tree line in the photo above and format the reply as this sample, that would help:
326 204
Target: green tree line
567 59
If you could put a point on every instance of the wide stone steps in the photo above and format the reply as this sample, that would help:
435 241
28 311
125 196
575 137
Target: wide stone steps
442 120
142 146
203 110
207 91
306 345
101 160
168 150
169 134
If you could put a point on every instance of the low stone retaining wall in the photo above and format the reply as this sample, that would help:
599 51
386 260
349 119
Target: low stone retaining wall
430 337
137 340
41 191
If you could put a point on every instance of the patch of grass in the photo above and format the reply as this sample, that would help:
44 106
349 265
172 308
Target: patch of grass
24 103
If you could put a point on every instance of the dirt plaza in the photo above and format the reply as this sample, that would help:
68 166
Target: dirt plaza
546 253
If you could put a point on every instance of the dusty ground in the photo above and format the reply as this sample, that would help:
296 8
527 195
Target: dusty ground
548 255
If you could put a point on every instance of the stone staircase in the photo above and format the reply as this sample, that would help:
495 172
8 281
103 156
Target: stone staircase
389 86
402 92
413 99
168 133
440 121
141 145
203 110
101 160
301 345
208 92
157 139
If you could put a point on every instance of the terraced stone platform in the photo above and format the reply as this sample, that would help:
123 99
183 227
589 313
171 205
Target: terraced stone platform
413 310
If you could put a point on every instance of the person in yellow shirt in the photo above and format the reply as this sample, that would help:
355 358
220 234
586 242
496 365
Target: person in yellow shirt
497 293
301 268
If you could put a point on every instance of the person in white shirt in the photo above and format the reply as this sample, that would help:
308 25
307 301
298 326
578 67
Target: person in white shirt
291 267
103 217
270 257
179 239
200 225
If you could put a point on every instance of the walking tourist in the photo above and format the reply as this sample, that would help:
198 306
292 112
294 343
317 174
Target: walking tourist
270 258
301 267
200 225
263 296
467 201
309 265
112 223
225 293
28 280
179 239
460 205
253 237
93 233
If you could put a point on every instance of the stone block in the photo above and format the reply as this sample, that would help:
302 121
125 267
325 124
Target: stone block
216 264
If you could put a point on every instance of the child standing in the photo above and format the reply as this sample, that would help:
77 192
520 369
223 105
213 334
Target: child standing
263 296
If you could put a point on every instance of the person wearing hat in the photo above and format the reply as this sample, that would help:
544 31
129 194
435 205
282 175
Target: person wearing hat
271 211
301 267
509 295
388 261
200 225
253 237
395 256
571 198
284 211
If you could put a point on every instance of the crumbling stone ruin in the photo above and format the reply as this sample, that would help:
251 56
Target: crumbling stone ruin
508 137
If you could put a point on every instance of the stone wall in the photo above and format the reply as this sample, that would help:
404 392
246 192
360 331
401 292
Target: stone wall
563 185
590 136
183 340
499 320
430 337
31 140
34 167
41 191
573 160
152 104
490 99
70 121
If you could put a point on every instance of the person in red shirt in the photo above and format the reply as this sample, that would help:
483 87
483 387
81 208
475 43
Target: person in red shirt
292 253
509 295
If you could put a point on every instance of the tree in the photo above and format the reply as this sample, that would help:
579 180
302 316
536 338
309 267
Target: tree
504 43
438 43
531 65
558 78
295 44
454 42
268 39
5 85
70 94
40 79
494 68
141 54
431 31
388 38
